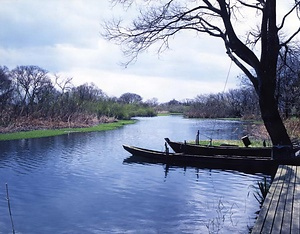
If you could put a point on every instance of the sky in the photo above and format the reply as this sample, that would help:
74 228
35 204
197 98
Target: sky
64 37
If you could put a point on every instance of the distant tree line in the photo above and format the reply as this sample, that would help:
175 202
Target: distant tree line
236 103
29 92
174 106
243 102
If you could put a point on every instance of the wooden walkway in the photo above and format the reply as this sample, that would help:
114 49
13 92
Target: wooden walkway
280 212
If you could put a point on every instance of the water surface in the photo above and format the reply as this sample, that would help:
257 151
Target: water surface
78 183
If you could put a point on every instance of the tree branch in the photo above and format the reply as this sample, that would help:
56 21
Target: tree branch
252 6
160 24
290 38
252 78
287 14
234 43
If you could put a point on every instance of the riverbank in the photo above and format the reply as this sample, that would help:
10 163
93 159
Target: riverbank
259 131
61 131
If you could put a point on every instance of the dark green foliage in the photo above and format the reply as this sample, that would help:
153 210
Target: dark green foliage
122 110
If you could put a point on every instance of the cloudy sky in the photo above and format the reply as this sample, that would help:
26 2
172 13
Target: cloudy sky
63 37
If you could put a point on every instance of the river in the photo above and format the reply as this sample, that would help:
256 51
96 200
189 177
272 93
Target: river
78 183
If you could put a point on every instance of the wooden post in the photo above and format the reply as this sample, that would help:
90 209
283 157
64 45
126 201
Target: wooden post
166 148
9 210
197 138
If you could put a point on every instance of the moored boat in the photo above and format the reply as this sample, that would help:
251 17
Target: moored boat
196 149
223 160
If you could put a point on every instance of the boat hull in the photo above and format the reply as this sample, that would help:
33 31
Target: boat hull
193 149
219 161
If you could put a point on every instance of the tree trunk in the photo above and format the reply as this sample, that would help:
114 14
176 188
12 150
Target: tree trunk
272 119
266 73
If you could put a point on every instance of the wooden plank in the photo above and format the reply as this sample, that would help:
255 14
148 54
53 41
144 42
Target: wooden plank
281 210
275 215
295 227
262 218
267 203
289 191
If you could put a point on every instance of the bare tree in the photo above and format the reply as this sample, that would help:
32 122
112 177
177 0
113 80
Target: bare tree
161 20
6 96
29 80
288 83
152 102
130 98
64 84
6 88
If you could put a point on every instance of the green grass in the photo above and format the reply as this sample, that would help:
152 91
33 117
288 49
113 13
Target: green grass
62 131
254 143
169 113
163 114
233 119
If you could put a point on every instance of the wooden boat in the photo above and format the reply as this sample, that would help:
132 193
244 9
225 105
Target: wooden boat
181 147
222 160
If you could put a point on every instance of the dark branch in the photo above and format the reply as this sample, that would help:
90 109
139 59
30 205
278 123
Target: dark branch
287 14
252 6
234 43
290 38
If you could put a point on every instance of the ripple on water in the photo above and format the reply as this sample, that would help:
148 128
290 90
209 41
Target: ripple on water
78 183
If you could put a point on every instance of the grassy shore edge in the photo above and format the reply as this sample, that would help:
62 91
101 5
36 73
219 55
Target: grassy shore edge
217 142
62 131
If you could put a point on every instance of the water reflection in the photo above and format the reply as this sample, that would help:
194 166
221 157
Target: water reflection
211 203
78 183
240 168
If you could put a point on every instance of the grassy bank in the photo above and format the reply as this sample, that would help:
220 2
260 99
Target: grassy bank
254 143
62 131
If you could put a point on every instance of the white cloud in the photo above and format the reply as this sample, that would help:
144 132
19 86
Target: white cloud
43 23
63 37
163 88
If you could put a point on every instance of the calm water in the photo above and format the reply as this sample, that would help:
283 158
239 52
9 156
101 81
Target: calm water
78 183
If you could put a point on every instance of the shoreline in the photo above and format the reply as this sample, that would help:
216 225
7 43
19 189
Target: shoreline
62 131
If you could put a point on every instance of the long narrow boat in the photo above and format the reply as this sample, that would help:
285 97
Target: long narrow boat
222 160
182 147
